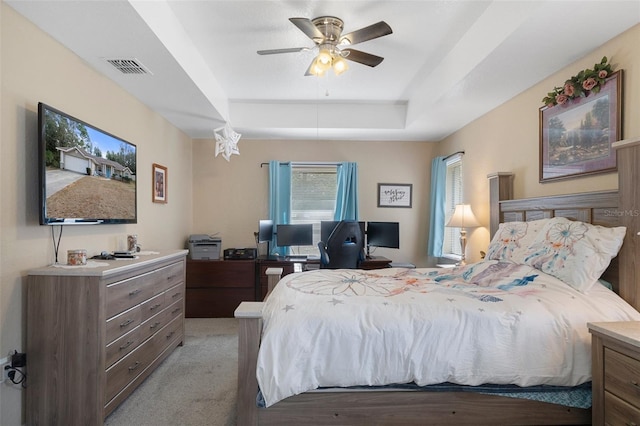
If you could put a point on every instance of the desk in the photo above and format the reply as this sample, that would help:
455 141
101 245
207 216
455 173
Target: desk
290 265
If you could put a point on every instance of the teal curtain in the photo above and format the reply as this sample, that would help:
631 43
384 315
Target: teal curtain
279 199
437 203
347 192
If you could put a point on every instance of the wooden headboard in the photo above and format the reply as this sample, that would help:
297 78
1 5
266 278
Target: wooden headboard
599 208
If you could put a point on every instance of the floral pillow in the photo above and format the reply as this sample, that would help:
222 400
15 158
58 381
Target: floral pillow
511 241
575 252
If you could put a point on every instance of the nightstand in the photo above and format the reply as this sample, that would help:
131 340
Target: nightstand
616 372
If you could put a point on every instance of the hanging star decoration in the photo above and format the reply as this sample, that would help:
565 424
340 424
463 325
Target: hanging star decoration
226 141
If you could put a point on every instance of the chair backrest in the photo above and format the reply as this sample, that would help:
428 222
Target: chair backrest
344 248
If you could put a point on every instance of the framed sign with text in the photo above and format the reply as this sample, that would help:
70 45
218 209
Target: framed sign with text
394 195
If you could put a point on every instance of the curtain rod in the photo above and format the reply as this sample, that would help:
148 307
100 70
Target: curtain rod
451 155
308 163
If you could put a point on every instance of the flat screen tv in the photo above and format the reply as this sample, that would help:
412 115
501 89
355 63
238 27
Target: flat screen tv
86 175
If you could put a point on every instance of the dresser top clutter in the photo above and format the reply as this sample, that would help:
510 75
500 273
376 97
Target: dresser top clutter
107 268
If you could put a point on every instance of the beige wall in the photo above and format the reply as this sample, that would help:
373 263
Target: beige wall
506 139
231 197
36 68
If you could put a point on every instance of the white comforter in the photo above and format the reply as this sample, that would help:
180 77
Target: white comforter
487 322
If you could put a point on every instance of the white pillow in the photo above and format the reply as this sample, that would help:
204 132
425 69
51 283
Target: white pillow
575 252
511 241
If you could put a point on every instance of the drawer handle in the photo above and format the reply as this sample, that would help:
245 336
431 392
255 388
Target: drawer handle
134 292
170 334
175 295
134 366
171 277
126 323
156 306
126 345
152 326
175 311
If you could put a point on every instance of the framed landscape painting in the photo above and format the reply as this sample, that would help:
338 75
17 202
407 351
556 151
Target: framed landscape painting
576 137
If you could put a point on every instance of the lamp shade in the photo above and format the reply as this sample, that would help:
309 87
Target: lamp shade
463 217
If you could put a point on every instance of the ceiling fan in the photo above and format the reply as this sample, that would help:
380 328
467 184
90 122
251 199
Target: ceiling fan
332 45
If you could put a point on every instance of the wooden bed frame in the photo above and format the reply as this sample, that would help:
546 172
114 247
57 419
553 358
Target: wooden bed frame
420 408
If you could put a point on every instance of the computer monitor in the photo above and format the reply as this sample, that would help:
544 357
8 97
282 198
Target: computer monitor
265 230
383 234
294 235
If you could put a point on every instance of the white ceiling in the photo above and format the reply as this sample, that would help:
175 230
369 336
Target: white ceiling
446 63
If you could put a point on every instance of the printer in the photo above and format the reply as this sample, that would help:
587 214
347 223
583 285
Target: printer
204 247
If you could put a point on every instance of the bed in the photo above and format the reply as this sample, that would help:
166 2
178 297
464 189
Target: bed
447 405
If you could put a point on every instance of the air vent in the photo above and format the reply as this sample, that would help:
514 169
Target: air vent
129 66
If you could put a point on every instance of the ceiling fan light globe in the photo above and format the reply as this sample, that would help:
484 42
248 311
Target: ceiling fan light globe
324 57
317 68
340 66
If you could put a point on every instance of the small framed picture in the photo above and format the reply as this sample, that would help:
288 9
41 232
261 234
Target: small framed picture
394 195
159 188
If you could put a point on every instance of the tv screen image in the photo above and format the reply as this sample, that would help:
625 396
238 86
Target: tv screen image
87 176
383 234
294 235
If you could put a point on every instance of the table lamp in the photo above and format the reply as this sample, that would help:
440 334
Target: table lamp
462 218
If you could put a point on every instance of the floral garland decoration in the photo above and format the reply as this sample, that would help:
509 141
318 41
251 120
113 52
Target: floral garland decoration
587 81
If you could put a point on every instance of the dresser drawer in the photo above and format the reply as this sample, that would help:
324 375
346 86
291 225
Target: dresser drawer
167 335
151 326
123 323
619 412
122 346
175 309
122 295
128 368
622 376
170 276
174 293
152 306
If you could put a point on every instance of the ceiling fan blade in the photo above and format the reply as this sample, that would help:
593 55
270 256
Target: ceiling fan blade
367 33
308 71
362 57
288 50
306 26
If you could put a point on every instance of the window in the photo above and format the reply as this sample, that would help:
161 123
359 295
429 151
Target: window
451 245
313 198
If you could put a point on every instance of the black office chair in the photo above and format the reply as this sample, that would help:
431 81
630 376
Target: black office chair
344 248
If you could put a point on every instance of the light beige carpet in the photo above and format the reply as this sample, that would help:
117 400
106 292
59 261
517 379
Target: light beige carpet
195 385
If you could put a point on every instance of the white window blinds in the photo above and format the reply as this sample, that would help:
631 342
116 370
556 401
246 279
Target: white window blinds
451 244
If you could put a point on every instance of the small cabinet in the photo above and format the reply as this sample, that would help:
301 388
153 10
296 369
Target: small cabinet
616 372
215 288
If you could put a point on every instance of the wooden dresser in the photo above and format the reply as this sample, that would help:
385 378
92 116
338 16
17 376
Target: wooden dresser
616 372
94 334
